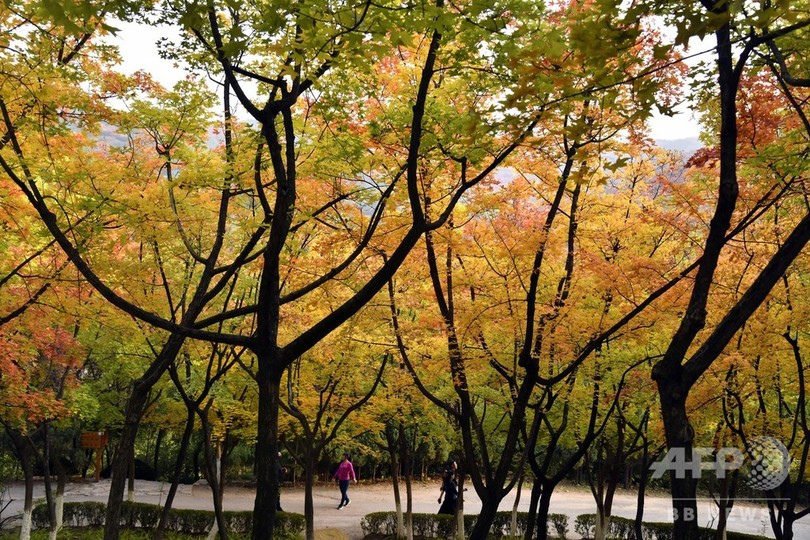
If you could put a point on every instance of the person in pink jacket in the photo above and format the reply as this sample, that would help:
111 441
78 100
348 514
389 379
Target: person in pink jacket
344 475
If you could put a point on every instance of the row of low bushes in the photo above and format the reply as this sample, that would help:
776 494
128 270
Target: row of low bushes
146 516
198 522
441 526
619 527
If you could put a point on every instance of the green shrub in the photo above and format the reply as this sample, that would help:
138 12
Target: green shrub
442 525
663 531
585 525
191 521
502 524
135 515
74 514
384 523
288 524
242 522
620 527
559 522
147 516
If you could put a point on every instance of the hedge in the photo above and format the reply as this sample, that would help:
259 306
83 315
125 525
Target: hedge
146 516
288 525
620 527
441 526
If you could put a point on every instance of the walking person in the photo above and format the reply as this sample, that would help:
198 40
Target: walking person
344 475
449 489
281 472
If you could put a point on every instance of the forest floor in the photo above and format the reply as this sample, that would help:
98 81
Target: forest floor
344 524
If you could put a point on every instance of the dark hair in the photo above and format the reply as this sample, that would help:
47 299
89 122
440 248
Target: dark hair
347 456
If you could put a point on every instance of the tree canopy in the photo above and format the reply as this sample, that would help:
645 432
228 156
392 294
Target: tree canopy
344 212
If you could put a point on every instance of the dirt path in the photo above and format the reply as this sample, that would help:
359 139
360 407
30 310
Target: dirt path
344 524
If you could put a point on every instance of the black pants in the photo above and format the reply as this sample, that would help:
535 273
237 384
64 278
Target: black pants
344 491
448 506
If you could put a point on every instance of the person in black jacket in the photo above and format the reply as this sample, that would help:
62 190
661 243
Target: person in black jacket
281 472
449 489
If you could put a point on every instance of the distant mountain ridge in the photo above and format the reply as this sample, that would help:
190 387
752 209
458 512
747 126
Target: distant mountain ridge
688 144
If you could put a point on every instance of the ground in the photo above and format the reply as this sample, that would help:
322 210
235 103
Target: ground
334 524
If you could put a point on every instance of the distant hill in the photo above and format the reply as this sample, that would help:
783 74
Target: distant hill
688 145
110 136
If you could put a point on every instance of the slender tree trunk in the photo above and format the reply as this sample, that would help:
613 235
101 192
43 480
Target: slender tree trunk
24 454
213 466
59 500
156 458
600 524
269 383
178 471
680 435
644 476
393 457
125 450
46 471
724 505
406 460
131 479
28 503
460 533
485 518
534 499
513 527
542 512
309 506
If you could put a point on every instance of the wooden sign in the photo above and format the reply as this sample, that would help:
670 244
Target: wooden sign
93 439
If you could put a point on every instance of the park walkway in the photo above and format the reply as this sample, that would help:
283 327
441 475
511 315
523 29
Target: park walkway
344 524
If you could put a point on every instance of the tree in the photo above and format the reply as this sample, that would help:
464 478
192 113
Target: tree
691 353
37 371
310 49
320 408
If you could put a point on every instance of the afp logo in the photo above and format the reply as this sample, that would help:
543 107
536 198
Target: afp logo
765 465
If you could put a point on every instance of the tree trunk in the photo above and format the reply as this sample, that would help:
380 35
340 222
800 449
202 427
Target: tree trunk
28 504
513 527
542 512
725 503
156 457
24 453
264 512
534 498
46 471
213 466
393 457
59 500
125 450
406 460
644 476
309 506
601 523
178 471
460 533
131 479
679 435
484 522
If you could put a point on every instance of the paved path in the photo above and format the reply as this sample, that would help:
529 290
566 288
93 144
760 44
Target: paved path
379 497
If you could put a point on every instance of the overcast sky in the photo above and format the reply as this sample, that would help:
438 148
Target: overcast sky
139 51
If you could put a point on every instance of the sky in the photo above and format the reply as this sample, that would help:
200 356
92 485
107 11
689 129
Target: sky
138 47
